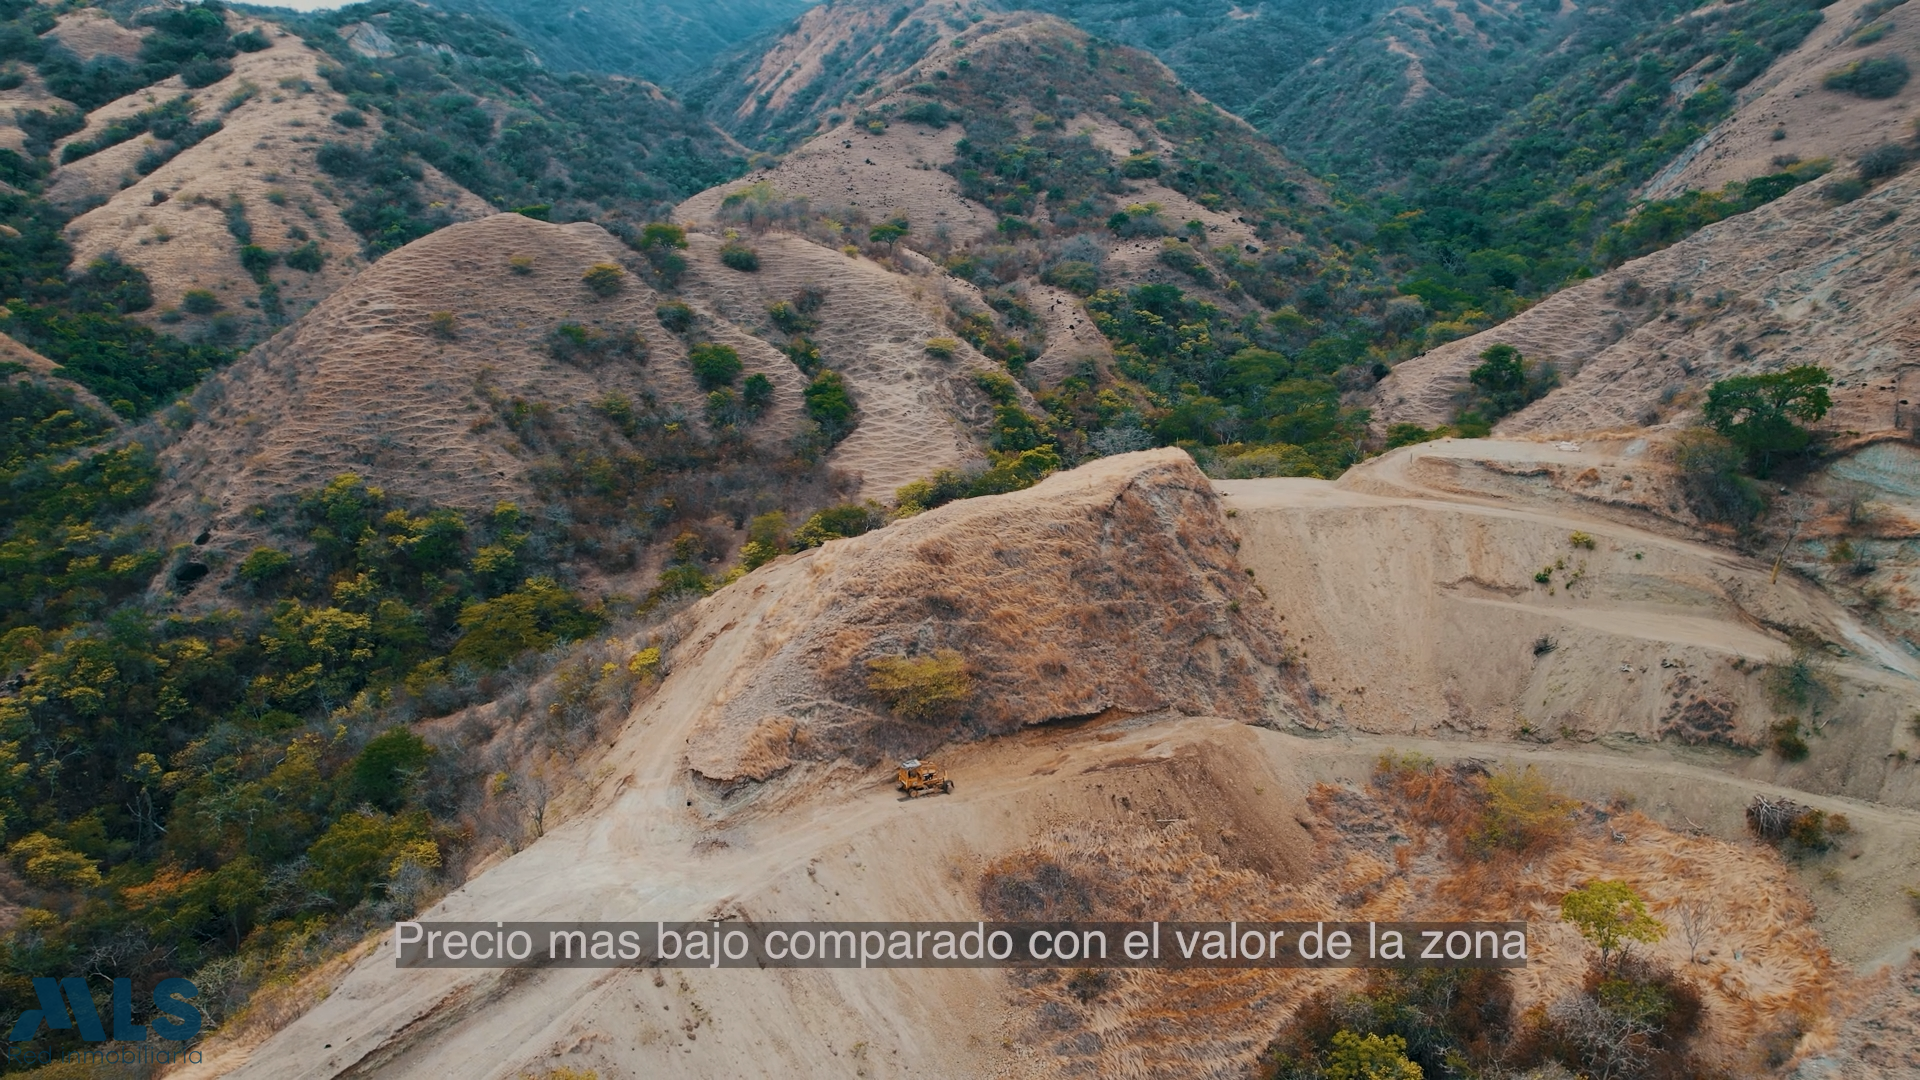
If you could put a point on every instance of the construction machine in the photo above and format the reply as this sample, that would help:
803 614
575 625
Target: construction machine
923 778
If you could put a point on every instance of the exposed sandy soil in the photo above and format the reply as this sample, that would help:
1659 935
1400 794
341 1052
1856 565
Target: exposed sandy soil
264 154
1797 281
1199 814
1113 586
884 173
1812 120
29 95
91 33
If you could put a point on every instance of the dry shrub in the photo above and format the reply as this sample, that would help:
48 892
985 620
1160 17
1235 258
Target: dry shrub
1633 1019
1479 812
1803 679
1029 886
921 688
1522 812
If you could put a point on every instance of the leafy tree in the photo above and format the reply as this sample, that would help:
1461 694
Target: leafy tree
766 539
834 523
265 565
532 618
1611 916
714 366
1501 378
1370 1057
1522 811
1761 413
830 405
386 765
888 232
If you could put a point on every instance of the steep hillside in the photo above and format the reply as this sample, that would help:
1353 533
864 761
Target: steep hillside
245 213
465 96
1144 261
1170 812
1799 281
443 375
666 42
1790 112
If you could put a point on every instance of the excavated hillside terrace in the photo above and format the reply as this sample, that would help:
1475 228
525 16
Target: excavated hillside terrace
1218 779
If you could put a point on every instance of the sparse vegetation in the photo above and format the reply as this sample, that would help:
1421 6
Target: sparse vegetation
589 347
443 325
307 257
1522 812
1503 383
1787 740
200 301
738 256
675 316
1802 680
1873 77
1709 465
714 366
604 279
837 522
921 688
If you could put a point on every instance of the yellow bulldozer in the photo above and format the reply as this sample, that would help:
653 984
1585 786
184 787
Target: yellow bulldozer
923 778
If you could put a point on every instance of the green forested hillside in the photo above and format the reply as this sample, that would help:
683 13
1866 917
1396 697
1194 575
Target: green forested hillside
587 147
1495 146
233 794
666 41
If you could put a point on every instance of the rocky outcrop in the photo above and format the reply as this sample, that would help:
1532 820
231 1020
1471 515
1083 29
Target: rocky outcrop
1114 586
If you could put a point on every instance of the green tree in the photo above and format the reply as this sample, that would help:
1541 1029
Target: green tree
1370 1057
1502 378
386 766
766 539
1761 414
888 232
534 617
1611 915
714 366
830 404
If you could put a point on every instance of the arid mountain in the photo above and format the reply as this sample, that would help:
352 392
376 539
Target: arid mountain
441 478
795 836
1801 280
186 220
1791 112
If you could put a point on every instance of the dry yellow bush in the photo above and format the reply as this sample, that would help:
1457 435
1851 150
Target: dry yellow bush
921 688
1523 812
